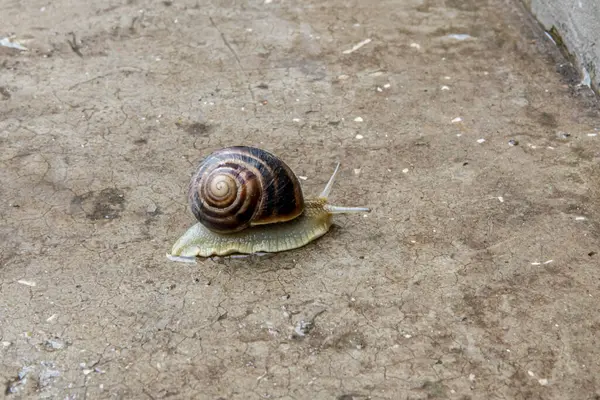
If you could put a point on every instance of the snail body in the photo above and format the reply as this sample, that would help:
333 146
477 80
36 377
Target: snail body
248 201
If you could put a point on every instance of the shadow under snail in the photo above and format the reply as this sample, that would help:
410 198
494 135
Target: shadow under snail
248 201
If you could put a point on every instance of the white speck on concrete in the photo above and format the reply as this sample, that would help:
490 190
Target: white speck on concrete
303 177
501 199
592 134
356 171
387 86
415 46
445 87
460 36
359 137
550 37
51 318
379 89
586 81
447 78
548 262
6 344
26 283
407 336
543 382
357 46
342 77
471 377
296 119
536 263
579 218
530 373
457 119
6 42
405 170
358 119
480 140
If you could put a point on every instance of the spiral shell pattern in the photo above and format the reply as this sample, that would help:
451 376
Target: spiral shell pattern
238 187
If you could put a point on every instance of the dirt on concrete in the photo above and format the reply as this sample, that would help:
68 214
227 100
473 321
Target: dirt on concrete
476 275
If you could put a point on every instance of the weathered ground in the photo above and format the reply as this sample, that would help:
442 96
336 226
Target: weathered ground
476 276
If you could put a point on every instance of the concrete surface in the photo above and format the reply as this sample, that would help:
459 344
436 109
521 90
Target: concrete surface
577 25
475 276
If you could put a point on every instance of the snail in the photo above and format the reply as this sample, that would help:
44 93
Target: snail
248 201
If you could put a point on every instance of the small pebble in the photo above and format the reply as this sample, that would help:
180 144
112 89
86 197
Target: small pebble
480 140
379 89
387 86
513 142
358 119
445 87
359 137
54 344
457 119
543 382
356 171
405 170
501 199
563 135
415 46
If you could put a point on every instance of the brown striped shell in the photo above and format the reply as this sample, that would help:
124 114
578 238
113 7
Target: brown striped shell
237 187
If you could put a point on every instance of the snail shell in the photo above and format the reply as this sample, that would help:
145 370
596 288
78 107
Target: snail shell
238 187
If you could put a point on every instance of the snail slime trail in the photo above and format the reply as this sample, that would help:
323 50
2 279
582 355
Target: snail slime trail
248 201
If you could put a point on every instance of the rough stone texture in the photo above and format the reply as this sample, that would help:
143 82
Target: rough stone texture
475 276
578 24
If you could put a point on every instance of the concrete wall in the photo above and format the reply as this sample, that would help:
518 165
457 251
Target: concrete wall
577 23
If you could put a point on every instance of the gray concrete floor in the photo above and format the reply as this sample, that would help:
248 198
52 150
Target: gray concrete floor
475 276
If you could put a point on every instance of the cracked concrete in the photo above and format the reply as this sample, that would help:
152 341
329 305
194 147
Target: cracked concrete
474 277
